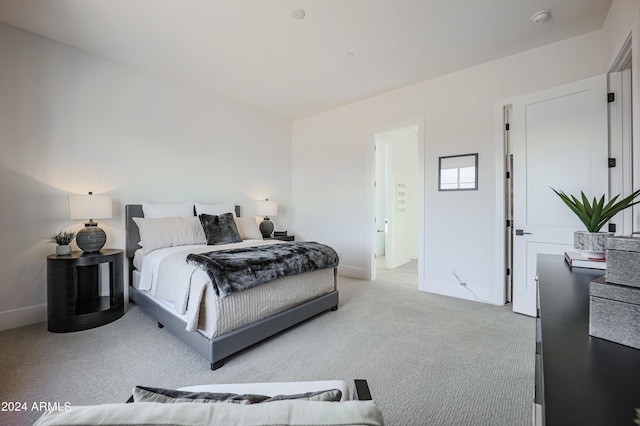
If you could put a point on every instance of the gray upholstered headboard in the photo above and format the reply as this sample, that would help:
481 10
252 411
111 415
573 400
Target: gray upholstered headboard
131 229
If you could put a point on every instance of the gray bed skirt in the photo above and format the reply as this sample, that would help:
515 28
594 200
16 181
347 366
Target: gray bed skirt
217 349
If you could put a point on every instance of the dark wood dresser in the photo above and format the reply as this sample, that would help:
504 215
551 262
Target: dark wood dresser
580 380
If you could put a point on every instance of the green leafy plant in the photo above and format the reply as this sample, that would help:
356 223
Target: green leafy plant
62 238
595 214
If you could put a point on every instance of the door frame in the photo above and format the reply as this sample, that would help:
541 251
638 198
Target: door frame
623 126
508 202
500 263
385 184
371 208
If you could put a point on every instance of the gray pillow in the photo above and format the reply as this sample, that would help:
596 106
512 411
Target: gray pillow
148 394
220 229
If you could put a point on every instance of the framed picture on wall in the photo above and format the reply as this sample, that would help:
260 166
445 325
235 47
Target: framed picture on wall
458 172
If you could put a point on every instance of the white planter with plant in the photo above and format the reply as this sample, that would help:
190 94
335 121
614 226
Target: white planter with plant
63 240
594 215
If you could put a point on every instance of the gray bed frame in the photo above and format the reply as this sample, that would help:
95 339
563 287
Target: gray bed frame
218 349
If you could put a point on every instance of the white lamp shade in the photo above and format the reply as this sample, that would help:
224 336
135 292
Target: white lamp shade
90 207
267 208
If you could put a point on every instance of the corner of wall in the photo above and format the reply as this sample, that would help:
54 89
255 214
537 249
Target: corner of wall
353 272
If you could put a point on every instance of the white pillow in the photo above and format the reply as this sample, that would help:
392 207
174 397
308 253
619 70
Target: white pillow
248 228
152 211
157 233
216 209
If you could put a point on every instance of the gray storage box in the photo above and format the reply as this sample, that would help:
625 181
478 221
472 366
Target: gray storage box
614 312
623 261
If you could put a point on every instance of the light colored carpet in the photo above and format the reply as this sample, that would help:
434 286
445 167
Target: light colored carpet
429 360
406 274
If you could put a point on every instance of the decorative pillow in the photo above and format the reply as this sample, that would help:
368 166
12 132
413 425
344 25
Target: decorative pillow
248 228
220 229
147 394
331 395
168 232
216 209
154 211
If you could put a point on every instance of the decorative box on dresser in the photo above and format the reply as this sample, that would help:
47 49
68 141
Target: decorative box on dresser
580 379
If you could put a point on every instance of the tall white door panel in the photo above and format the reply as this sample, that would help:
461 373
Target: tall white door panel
559 140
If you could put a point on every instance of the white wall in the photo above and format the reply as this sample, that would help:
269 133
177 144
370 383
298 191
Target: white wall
71 122
620 22
330 167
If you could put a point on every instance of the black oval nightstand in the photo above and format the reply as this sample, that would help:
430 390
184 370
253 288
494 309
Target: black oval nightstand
74 301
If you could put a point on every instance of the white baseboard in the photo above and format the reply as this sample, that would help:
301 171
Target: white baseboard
353 272
478 295
24 316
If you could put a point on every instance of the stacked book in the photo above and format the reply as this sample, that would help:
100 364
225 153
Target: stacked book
577 260
279 233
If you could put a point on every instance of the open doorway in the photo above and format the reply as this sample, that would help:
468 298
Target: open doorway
396 205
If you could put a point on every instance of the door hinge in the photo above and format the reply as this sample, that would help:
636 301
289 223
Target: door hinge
508 175
506 126
508 271
508 223
612 162
611 97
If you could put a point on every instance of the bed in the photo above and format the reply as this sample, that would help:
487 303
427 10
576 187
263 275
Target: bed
219 325
294 403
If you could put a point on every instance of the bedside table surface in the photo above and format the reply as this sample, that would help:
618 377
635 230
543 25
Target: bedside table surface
80 254
282 238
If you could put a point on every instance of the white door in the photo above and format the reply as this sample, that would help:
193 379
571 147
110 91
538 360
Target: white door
560 141
381 198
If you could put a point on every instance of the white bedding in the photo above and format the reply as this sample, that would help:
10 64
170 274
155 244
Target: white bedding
177 255
166 275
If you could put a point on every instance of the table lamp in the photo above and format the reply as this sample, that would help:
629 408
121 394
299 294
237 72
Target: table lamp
267 208
91 238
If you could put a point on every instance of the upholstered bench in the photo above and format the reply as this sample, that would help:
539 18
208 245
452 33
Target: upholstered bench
293 403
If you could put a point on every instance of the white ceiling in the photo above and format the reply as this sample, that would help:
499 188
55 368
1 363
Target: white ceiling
255 53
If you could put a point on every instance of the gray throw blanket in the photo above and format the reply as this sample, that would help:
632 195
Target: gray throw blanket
240 269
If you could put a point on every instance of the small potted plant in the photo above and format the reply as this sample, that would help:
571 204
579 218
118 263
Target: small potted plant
594 215
62 239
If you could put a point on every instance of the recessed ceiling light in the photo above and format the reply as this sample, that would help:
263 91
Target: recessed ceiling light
540 17
298 14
